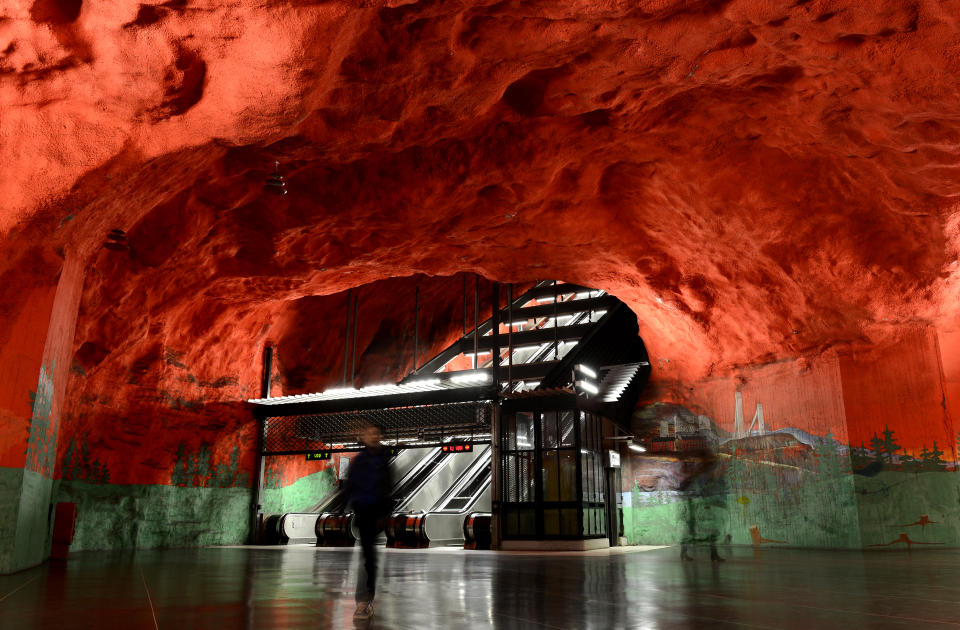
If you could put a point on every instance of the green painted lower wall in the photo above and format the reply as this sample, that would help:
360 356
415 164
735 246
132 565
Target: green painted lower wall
890 509
301 495
815 515
924 507
111 516
11 480
34 521
26 527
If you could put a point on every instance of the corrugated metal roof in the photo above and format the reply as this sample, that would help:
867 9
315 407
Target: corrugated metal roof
422 385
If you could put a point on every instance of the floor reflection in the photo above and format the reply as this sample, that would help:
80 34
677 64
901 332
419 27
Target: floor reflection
304 587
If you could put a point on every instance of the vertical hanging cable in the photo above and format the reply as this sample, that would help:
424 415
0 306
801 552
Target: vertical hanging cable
476 322
416 328
356 318
346 338
495 334
464 305
556 322
265 385
510 337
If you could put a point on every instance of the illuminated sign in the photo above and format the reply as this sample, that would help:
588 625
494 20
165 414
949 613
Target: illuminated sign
325 456
613 459
457 448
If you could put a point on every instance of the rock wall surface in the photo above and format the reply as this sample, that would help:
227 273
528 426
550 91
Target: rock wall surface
760 181
755 178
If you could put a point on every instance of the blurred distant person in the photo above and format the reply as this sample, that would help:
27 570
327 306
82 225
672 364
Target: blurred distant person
368 490
704 507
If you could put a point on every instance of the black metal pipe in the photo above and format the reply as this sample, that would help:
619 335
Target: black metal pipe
416 328
476 322
556 323
495 327
356 319
346 338
267 381
510 337
464 305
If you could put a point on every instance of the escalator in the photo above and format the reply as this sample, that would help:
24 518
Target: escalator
444 523
302 527
423 476
427 483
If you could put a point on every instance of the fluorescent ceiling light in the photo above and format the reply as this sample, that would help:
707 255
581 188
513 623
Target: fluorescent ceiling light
589 372
339 390
425 381
587 387
473 377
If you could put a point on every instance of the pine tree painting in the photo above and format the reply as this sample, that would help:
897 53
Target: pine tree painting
876 443
78 466
197 469
890 446
179 476
934 457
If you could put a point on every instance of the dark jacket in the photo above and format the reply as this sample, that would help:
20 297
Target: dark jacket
369 482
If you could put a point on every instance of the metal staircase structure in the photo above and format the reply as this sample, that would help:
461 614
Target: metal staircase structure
530 347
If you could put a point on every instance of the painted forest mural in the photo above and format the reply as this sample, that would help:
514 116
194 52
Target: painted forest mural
769 484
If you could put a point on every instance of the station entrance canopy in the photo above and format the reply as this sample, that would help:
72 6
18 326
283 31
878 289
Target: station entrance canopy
555 339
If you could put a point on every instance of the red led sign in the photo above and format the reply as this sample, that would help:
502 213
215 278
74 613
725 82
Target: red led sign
457 448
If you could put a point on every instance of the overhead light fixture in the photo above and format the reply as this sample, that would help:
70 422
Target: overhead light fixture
472 377
117 241
587 371
275 184
633 446
425 381
378 388
587 386
339 390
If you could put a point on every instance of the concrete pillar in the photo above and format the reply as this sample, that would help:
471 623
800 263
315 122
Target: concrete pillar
35 355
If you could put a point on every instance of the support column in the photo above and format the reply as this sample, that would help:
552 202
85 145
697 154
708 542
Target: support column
35 360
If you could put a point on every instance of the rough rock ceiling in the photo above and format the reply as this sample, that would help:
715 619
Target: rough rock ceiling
756 179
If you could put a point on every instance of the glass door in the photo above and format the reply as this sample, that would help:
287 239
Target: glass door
552 483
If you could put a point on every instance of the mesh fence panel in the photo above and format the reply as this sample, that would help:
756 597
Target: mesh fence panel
405 426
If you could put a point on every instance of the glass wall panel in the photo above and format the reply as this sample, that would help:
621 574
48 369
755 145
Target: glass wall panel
525 430
568 424
509 432
586 463
568 522
526 522
510 493
509 516
551 522
548 429
567 470
525 477
551 476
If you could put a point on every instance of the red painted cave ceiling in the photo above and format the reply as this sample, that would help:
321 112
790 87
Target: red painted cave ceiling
755 179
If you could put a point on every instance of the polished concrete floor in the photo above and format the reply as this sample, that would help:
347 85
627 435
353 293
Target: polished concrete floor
304 587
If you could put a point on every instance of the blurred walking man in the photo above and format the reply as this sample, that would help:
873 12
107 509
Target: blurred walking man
368 489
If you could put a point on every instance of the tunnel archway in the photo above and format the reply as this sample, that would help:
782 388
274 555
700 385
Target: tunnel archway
773 198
